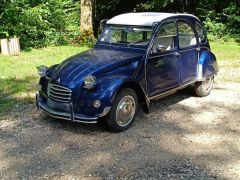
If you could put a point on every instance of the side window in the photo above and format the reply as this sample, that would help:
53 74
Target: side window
165 39
201 32
186 35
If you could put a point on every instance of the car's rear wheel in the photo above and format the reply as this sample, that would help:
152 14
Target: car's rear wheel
123 111
204 88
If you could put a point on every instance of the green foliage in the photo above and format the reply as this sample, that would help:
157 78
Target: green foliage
221 18
223 24
41 22
106 9
153 4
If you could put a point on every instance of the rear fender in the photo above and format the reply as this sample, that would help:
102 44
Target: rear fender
207 65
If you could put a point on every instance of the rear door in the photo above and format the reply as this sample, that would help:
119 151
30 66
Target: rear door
188 49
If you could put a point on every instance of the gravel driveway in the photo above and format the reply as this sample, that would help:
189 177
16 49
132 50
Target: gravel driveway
184 137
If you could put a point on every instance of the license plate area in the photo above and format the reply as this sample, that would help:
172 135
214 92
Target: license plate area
59 106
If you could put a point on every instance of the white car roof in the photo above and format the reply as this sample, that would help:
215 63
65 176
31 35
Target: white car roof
142 19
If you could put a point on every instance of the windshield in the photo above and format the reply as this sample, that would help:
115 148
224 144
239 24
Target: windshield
131 36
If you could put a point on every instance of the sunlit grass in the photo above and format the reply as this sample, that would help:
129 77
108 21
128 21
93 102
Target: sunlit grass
228 56
18 74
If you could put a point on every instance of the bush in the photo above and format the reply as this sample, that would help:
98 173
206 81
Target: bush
40 23
224 25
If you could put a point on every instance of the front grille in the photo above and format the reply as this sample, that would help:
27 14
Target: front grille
59 93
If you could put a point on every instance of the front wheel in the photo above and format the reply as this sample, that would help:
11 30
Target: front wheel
204 88
123 111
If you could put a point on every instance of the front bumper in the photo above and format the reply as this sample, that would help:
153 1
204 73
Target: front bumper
68 115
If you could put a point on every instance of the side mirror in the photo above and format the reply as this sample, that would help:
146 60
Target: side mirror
160 48
103 24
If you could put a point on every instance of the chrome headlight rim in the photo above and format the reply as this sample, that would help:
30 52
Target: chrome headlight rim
89 82
42 70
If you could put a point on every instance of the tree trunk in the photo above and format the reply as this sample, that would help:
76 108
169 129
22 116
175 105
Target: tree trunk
86 16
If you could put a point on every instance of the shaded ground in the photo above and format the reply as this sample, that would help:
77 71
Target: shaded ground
184 137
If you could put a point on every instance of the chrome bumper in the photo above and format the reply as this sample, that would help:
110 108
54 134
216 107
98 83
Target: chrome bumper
69 116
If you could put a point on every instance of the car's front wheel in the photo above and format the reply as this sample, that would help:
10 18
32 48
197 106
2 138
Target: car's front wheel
123 111
204 88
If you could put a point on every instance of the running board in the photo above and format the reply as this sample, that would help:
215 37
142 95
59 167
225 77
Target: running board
172 91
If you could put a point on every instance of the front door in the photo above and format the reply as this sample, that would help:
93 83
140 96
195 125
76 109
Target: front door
163 62
188 44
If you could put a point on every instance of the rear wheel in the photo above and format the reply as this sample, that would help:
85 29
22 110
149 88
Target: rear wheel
123 111
204 88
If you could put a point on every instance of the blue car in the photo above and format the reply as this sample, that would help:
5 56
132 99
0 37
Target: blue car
139 58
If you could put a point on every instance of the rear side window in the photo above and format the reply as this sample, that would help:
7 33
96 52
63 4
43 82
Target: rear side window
187 37
201 33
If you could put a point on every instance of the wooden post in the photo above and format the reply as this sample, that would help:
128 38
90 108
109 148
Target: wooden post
14 46
10 47
5 47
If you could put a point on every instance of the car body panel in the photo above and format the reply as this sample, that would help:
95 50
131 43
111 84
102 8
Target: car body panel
188 64
70 72
162 73
207 64
120 66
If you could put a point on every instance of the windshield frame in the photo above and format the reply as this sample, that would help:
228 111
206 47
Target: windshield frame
99 42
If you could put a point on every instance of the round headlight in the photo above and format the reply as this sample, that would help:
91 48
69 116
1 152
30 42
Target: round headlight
42 70
96 103
90 82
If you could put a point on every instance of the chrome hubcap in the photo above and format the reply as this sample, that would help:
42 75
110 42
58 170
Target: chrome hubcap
125 110
207 84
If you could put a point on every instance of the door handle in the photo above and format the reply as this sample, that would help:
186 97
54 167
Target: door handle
177 54
198 49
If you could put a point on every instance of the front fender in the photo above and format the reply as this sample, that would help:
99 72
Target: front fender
105 91
110 85
207 65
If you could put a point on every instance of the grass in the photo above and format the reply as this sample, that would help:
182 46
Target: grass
228 57
18 74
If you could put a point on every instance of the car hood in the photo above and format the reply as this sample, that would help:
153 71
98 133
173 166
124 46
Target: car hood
95 61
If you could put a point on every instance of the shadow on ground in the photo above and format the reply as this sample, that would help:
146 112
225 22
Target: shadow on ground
14 92
183 137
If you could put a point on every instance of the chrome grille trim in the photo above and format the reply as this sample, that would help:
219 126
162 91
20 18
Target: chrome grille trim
59 93
59 88
58 97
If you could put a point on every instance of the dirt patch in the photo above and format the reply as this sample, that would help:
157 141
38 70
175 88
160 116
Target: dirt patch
184 137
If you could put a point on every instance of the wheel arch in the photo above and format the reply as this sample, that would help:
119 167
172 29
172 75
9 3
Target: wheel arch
142 97
207 65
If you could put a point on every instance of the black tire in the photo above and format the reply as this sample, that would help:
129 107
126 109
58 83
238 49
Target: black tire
113 119
203 88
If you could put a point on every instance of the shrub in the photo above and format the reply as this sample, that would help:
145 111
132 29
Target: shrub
41 22
223 25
